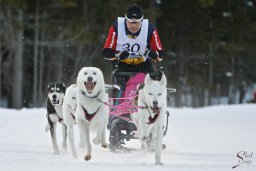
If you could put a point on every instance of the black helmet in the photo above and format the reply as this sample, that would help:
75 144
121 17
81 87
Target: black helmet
134 12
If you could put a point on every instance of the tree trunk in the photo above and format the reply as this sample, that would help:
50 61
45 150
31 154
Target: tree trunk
35 77
59 69
152 11
77 63
242 90
232 91
210 79
0 67
41 75
18 64
180 80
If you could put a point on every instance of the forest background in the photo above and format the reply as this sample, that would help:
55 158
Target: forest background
210 46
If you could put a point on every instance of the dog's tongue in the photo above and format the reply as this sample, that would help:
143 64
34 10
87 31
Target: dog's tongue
90 86
55 101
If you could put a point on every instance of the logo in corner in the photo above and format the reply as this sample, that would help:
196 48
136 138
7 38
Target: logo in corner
243 158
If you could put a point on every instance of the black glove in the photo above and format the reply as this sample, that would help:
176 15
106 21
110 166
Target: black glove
123 55
151 54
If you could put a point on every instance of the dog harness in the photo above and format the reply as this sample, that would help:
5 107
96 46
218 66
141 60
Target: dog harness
152 120
88 116
72 114
51 111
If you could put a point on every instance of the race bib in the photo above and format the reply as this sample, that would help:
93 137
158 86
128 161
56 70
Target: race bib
135 46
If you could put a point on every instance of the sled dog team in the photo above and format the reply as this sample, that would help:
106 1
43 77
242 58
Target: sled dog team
83 103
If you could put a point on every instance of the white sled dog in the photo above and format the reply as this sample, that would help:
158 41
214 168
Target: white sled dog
90 109
153 102
54 102
69 108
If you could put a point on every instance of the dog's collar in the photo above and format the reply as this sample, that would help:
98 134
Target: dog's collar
83 93
143 107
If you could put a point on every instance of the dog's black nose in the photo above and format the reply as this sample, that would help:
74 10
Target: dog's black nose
89 79
54 96
155 103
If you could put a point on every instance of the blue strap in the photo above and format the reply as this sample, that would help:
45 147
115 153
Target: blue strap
118 96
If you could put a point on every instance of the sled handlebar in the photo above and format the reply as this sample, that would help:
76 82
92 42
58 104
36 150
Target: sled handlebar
116 59
126 73
153 74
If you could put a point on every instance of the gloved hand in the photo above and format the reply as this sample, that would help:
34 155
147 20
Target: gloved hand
123 55
151 54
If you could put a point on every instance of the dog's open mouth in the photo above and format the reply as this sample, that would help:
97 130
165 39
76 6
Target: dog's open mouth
89 86
155 109
54 102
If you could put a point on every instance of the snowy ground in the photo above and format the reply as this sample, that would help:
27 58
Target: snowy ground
197 139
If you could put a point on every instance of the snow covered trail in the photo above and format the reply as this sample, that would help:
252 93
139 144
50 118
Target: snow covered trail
197 139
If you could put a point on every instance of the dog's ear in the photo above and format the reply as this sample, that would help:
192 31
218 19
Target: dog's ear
64 88
49 85
163 80
148 80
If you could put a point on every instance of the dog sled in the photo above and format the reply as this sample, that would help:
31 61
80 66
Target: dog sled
122 104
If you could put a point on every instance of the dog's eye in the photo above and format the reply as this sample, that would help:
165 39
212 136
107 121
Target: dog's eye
159 94
94 73
85 73
73 98
150 94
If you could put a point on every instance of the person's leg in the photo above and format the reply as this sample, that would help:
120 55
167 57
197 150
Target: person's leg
120 80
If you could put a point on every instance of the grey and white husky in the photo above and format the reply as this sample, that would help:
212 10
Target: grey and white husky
56 92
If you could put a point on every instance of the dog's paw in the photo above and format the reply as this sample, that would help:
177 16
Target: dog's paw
104 145
47 128
96 141
145 138
151 148
56 152
64 146
163 146
87 157
159 163
74 155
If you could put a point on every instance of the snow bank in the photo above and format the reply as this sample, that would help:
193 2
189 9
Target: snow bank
197 139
